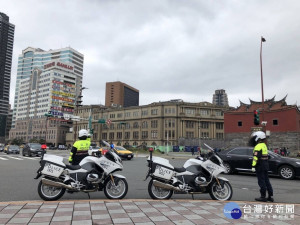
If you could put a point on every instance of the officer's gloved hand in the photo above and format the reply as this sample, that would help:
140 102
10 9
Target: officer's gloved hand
253 169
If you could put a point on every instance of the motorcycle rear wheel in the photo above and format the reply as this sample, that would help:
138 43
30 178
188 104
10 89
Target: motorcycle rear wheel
50 193
220 193
116 189
158 193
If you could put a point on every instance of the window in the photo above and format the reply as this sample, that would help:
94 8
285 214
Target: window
189 134
144 134
189 124
154 124
204 135
144 112
219 113
240 123
136 125
119 135
144 124
219 126
204 112
111 135
154 111
127 135
136 114
154 134
135 134
204 125
190 111
275 122
169 123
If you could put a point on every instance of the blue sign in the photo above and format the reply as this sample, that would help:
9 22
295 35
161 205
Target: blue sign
232 211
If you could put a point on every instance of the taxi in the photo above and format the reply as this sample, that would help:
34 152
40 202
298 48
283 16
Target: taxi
121 151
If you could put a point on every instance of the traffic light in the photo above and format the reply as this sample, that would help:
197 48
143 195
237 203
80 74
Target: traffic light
256 117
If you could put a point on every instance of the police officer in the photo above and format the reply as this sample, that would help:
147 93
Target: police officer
260 164
80 148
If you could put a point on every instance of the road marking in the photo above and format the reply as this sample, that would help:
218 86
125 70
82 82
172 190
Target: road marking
31 158
14 158
3 158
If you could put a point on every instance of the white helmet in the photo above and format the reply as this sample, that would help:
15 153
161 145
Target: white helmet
258 135
82 133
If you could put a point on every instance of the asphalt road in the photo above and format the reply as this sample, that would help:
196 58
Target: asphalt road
18 184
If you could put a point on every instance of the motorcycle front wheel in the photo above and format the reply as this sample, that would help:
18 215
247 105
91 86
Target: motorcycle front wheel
50 193
158 193
217 192
116 189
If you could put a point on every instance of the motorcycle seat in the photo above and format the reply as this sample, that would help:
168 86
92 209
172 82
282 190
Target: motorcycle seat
179 169
73 167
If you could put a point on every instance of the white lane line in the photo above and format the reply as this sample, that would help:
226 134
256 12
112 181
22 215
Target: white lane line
14 158
31 158
3 158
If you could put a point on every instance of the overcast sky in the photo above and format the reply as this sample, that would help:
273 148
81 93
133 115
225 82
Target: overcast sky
169 49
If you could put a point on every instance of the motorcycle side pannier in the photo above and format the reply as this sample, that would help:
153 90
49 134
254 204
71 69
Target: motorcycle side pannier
52 165
162 169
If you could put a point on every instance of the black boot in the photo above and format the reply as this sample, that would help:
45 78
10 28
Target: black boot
270 199
261 199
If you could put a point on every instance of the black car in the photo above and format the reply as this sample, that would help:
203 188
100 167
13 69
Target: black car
33 149
12 149
239 159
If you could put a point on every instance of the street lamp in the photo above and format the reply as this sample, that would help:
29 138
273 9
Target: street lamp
262 81
77 104
49 114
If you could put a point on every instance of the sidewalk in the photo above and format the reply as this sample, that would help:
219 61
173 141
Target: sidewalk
142 212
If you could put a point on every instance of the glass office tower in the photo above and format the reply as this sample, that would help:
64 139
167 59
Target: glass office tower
6 50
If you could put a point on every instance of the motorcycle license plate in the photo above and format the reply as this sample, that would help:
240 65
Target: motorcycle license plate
52 170
163 172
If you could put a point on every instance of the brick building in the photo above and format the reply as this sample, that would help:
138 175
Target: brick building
282 128
119 94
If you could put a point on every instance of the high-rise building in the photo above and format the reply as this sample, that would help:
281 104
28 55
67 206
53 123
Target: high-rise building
121 94
220 98
45 101
36 58
6 49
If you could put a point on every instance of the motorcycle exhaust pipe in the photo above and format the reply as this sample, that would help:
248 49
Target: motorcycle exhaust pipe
56 184
165 186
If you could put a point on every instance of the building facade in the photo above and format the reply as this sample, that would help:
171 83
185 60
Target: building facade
6 50
45 99
220 98
282 123
156 124
36 58
120 94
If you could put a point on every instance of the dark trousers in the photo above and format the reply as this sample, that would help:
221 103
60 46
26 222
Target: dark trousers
77 158
263 178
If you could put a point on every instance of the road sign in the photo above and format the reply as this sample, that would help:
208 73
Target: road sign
75 118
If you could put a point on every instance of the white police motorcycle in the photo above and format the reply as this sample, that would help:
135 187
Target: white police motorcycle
197 176
91 175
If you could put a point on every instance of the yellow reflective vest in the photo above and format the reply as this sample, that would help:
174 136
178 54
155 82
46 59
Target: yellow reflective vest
260 151
81 147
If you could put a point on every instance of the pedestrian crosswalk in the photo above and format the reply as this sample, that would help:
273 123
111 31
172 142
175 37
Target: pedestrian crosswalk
19 157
